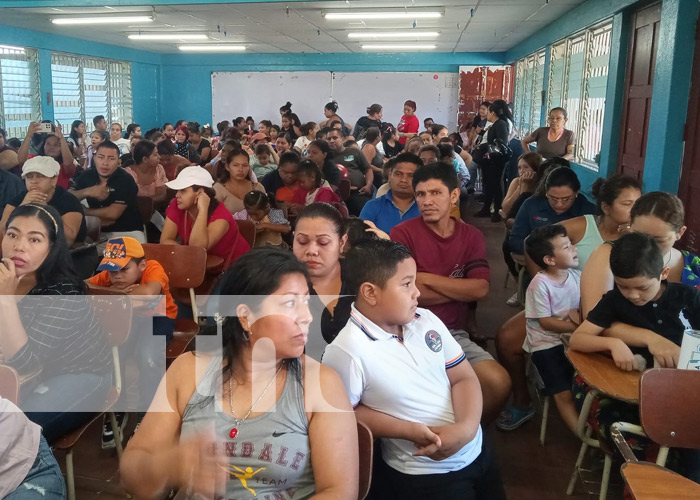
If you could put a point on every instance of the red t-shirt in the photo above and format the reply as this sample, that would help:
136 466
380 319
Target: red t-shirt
408 125
231 244
462 255
324 194
153 272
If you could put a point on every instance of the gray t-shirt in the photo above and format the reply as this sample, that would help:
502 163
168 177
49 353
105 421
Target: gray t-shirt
549 149
271 455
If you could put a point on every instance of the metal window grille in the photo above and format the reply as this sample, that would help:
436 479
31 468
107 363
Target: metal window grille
84 87
529 73
20 97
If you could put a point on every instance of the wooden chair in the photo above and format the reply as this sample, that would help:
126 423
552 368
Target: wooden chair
647 481
344 189
114 313
94 227
247 230
186 269
669 404
9 384
366 452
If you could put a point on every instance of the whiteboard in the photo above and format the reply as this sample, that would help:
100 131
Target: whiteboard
261 94
437 98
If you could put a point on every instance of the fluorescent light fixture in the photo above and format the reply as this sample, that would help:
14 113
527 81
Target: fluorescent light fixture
395 34
102 20
212 47
169 36
394 46
12 47
397 15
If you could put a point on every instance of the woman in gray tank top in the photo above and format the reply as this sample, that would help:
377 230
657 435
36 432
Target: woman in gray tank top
244 425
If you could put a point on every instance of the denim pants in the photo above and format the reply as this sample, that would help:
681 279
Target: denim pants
44 480
62 403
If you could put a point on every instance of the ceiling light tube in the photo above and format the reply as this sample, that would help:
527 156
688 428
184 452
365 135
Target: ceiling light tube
211 47
403 46
101 20
396 15
169 36
395 34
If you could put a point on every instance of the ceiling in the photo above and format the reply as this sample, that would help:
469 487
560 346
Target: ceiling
299 27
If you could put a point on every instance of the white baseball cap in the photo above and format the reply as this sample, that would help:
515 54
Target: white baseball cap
191 176
44 165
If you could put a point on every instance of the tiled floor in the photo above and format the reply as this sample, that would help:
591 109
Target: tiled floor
530 472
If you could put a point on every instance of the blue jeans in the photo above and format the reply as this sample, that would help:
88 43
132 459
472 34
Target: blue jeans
44 480
68 401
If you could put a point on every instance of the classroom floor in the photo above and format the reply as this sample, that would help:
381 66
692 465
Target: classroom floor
530 472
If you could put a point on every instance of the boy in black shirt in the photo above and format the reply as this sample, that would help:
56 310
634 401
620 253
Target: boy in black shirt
644 314
111 195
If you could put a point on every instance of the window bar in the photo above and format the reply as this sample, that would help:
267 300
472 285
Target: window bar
582 136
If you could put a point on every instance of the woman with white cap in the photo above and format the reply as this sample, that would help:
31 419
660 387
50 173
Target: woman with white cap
40 175
198 219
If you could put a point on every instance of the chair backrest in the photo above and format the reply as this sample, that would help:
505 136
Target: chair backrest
366 452
94 227
185 265
669 405
9 383
114 310
247 230
145 205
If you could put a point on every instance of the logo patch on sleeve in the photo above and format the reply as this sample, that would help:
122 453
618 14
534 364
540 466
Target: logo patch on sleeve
433 340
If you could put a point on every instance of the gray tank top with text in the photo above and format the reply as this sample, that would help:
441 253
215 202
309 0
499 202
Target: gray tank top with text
270 458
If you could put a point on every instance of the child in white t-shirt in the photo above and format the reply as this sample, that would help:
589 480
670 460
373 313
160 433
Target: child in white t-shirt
552 308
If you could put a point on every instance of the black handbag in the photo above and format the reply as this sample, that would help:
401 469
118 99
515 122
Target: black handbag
489 153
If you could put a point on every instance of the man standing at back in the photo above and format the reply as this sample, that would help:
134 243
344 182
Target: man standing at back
100 123
452 271
399 203
361 175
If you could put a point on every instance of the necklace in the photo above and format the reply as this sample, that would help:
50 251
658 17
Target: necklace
670 253
238 421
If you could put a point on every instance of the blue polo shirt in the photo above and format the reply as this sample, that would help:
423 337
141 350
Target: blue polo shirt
385 214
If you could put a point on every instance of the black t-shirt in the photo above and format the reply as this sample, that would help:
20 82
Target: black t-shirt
64 203
331 172
272 181
391 151
677 308
355 162
124 193
204 143
362 125
331 324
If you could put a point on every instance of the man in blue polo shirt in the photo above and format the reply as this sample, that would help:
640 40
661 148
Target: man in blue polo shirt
399 203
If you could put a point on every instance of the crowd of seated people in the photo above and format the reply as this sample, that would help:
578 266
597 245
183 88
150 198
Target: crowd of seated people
363 269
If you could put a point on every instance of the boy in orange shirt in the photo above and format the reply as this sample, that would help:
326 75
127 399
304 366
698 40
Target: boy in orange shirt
125 268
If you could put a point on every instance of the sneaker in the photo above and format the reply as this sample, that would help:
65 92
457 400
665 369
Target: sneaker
511 418
107 432
496 217
513 301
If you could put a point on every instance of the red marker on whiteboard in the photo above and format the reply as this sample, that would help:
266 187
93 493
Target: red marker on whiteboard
435 77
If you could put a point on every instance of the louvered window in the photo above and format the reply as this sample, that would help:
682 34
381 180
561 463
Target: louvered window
20 101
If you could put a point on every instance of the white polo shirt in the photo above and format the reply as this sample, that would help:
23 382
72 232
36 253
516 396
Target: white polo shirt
405 378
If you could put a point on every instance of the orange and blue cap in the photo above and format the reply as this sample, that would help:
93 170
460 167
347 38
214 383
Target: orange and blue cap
118 252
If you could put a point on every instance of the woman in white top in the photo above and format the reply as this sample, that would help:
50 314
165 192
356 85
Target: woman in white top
235 180
115 135
308 135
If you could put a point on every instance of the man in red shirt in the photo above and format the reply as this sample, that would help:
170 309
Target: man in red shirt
452 271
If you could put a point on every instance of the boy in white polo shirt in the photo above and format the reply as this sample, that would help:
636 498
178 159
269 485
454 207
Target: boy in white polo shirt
407 379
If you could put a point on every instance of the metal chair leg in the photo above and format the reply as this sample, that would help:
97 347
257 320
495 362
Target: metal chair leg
545 414
70 476
606 478
579 461
118 435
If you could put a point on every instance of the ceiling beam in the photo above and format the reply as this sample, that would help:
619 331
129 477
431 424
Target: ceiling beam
133 3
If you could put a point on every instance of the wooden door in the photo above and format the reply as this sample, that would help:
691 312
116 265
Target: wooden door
482 83
639 83
689 188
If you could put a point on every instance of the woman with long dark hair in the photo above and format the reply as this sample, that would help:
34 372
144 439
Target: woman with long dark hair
320 153
40 334
259 391
492 172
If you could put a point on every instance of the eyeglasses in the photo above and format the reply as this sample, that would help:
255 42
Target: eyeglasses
559 201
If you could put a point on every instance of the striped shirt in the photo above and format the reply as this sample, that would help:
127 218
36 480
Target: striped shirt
64 334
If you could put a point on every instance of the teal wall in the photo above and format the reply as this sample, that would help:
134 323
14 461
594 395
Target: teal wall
671 83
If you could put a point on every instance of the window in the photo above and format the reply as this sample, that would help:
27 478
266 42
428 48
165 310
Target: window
84 87
20 98
529 75
578 76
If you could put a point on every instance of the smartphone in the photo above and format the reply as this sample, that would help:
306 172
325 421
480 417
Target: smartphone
46 128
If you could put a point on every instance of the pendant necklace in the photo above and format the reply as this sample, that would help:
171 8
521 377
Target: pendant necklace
238 421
